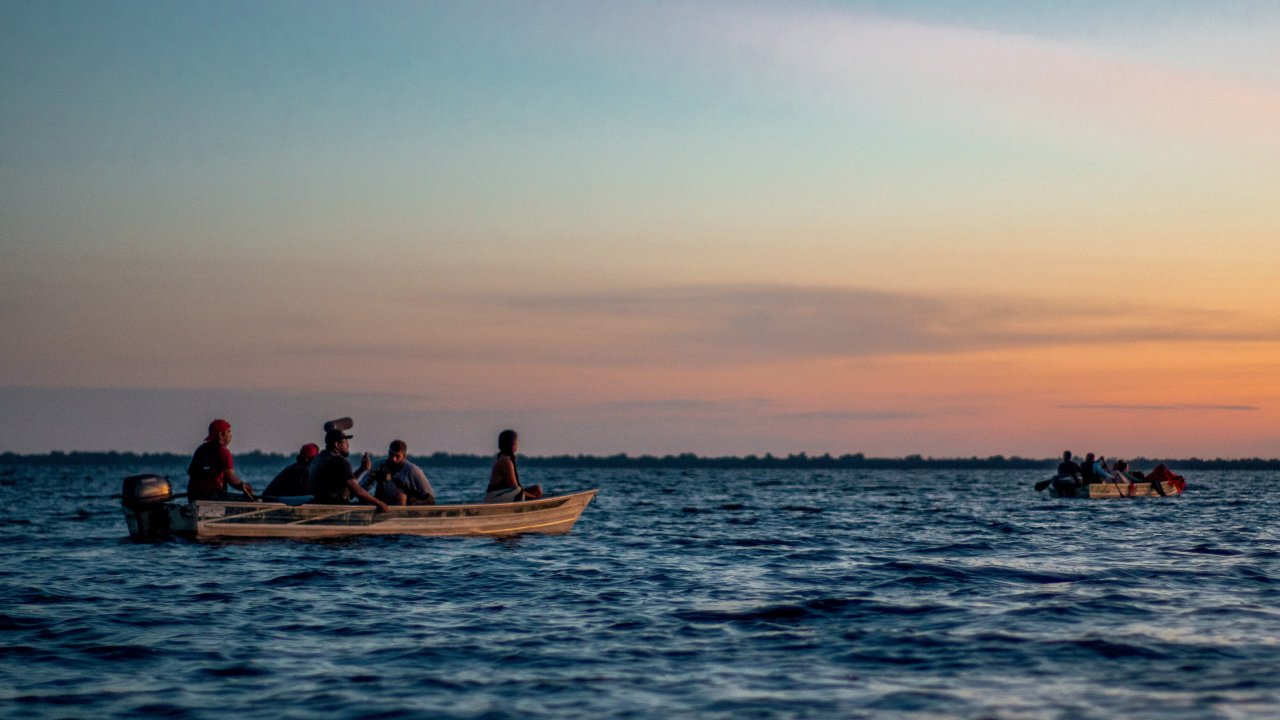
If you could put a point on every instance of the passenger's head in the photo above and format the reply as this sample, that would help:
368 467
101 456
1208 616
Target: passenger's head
1066 455
508 442
1122 465
1088 458
396 453
219 430
336 440
308 452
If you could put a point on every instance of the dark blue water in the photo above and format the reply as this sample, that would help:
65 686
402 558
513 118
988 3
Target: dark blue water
692 594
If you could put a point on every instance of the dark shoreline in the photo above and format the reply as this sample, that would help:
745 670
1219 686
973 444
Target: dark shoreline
683 461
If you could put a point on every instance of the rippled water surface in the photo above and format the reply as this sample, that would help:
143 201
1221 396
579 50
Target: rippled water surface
700 593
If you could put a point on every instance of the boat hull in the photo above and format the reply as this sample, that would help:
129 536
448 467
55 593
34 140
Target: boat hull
1123 490
216 519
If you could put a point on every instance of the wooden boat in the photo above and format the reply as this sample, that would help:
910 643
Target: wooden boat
1123 490
158 516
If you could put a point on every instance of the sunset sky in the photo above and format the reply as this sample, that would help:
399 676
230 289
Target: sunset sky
941 228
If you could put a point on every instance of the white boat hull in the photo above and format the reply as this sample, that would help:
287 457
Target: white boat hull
213 519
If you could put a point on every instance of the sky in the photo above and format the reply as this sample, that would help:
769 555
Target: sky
937 228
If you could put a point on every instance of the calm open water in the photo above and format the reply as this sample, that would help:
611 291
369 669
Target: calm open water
709 594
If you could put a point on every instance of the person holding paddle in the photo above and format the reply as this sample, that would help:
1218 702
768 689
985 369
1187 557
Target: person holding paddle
212 468
1068 477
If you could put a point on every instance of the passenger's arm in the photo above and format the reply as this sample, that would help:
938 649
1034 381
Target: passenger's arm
234 481
361 493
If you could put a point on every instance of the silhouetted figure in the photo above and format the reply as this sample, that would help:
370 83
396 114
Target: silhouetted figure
294 480
212 468
504 478
1068 477
333 482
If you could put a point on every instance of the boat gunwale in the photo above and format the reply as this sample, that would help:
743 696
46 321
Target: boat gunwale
1120 491
545 515
523 505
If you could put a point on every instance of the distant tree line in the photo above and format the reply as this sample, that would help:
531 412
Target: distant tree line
801 461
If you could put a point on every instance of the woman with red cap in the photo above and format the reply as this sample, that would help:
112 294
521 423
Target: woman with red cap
212 468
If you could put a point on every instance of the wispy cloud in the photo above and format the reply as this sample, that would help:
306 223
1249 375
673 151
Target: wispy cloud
912 64
762 323
1182 407
853 416
685 406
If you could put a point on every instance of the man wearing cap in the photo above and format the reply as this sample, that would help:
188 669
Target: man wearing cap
296 479
332 480
212 469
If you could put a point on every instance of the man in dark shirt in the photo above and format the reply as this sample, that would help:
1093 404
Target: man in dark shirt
1086 471
1068 477
1068 468
296 479
333 482
211 468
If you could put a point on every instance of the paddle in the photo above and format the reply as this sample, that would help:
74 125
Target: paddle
1046 483
244 488
1116 483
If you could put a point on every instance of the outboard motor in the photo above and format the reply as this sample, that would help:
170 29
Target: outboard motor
144 498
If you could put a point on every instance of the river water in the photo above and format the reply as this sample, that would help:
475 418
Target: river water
709 594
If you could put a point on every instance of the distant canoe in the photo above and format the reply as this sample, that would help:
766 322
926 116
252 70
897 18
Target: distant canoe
1123 490
217 519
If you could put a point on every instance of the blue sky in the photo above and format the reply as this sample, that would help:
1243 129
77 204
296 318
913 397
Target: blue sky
943 228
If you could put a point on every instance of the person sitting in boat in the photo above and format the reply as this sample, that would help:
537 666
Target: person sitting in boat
1100 469
1088 470
398 481
212 468
504 478
1122 473
1068 477
295 480
333 482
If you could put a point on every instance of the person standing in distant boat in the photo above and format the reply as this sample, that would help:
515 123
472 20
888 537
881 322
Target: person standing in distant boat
398 481
333 482
504 478
294 480
211 468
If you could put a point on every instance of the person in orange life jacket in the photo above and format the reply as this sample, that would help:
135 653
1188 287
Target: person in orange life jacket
296 479
504 478
212 468
333 482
